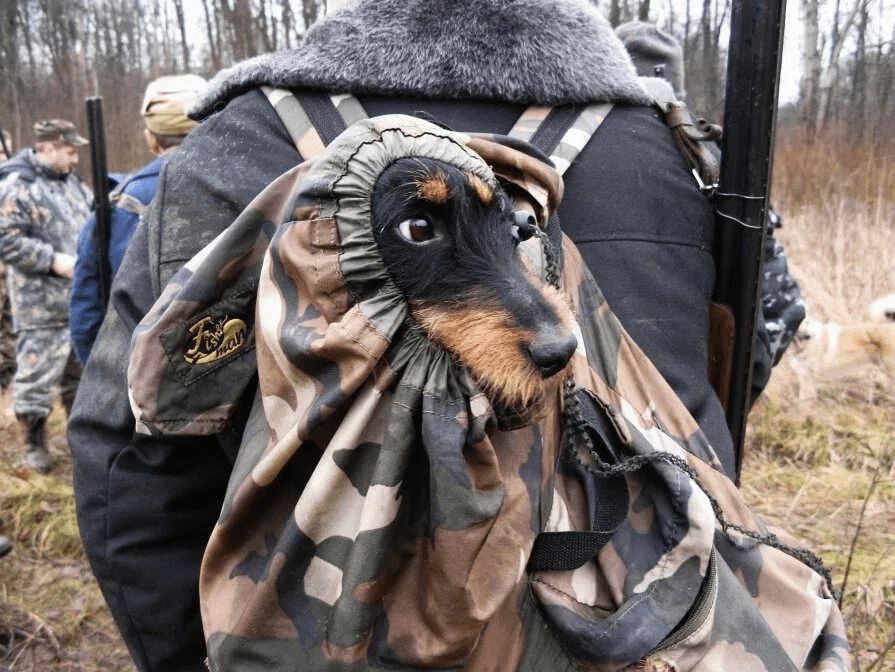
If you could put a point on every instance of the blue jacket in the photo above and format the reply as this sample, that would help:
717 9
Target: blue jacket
87 309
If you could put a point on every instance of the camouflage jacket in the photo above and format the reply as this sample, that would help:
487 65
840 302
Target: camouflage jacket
377 518
41 213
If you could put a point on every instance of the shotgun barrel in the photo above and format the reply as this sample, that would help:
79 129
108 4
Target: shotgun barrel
753 68
3 143
101 192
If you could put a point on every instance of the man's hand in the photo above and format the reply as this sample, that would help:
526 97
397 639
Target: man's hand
63 265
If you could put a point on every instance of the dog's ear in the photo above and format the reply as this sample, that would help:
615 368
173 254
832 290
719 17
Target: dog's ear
522 168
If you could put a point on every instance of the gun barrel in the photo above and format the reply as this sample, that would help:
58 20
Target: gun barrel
3 143
100 190
753 68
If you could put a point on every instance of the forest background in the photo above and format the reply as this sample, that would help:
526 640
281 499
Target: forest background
820 452
837 70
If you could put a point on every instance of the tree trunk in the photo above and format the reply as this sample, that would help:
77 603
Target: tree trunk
615 13
811 57
859 76
830 77
181 24
643 10
212 28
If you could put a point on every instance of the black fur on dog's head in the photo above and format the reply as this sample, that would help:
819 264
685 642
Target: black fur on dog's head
449 240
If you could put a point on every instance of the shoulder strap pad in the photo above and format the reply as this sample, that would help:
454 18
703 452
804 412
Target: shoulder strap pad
126 202
316 119
561 132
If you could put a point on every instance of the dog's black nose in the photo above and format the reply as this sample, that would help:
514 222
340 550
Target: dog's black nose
552 351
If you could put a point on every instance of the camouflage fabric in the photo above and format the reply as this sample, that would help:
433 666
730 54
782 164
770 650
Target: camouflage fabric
377 518
41 213
7 334
45 363
781 299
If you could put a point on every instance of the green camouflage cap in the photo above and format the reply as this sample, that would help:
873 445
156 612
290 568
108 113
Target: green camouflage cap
58 130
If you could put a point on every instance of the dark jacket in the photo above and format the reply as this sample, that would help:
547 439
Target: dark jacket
146 506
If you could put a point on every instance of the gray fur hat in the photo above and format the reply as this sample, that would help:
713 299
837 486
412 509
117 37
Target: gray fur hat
517 51
655 53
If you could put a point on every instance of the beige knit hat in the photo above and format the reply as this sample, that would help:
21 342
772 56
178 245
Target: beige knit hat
166 101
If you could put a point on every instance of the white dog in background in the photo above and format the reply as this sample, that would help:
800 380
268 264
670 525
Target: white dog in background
883 310
831 351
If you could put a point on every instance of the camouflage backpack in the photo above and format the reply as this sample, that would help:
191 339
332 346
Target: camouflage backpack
376 516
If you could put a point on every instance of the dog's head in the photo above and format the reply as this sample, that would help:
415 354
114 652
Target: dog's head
450 241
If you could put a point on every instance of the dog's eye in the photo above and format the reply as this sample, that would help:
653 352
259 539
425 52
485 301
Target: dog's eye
416 230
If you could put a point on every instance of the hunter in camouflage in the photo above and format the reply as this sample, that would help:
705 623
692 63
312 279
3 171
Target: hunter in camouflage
378 519
43 205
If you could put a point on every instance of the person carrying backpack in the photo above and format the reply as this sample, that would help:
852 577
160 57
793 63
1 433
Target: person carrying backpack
148 503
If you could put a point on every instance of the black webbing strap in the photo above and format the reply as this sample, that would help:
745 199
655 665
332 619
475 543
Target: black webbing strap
323 114
554 127
563 551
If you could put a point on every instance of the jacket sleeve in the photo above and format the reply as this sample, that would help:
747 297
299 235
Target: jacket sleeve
86 303
18 247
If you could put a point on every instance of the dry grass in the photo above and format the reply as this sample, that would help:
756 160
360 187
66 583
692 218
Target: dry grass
52 616
838 206
823 467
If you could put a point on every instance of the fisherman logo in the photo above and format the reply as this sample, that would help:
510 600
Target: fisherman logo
213 340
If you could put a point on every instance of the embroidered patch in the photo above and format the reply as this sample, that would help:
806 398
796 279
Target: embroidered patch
214 339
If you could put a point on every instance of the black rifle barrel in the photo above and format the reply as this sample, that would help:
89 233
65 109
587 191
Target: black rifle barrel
100 192
753 68
3 143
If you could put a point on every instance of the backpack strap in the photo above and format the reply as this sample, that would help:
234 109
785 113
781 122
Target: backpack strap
126 202
561 132
314 119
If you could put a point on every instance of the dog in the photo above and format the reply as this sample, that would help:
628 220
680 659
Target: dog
835 350
883 309
451 244
829 351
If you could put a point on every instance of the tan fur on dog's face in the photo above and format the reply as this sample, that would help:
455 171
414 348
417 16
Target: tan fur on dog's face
493 348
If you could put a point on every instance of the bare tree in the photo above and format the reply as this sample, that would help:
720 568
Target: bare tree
841 29
811 57
213 31
643 10
55 52
181 23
